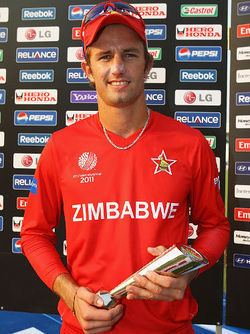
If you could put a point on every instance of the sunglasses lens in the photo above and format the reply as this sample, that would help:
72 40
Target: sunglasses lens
93 13
101 8
125 8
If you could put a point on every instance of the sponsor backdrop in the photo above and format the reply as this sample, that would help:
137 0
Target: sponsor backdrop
238 260
42 89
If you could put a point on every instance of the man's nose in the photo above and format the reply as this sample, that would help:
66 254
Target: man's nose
118 66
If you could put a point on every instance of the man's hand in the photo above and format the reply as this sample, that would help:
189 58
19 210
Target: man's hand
159 286
92 318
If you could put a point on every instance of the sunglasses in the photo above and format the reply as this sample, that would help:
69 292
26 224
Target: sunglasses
105 8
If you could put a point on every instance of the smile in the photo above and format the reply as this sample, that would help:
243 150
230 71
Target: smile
119 83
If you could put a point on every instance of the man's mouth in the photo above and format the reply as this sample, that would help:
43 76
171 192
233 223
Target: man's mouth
119 83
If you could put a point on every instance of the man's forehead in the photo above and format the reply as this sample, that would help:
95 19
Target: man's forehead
114 31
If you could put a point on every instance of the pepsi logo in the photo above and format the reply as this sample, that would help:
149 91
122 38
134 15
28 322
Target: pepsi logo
77 11
184 53
189 97
22 117
30 34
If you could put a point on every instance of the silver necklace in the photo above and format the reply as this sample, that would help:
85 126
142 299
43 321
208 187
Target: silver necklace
134 141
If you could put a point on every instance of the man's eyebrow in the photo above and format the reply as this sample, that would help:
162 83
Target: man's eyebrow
135 50
103 53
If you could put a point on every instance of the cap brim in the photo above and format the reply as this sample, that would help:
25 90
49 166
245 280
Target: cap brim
94 27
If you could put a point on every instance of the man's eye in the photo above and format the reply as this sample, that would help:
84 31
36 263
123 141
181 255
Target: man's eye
131 55
105 57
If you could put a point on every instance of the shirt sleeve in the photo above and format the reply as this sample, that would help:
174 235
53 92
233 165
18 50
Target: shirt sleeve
42 215
207 207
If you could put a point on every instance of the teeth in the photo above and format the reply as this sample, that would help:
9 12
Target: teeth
119 83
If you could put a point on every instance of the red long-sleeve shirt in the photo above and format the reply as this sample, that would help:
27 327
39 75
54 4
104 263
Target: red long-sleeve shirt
117 203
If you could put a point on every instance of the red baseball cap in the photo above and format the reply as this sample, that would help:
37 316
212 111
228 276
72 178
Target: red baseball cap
111 12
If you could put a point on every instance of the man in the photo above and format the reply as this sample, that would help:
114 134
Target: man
125 178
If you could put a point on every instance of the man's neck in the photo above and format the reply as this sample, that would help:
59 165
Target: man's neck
123 121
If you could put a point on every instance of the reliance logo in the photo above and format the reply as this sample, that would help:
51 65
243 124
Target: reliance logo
199 119
37 55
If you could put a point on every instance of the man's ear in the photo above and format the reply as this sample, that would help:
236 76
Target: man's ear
87 69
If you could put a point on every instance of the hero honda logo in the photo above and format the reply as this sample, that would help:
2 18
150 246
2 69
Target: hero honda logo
199 119
35 118
73 116
198 31
198 97
152 11
36 96
37 55
43 13
198 54
243 8
38 34
17 224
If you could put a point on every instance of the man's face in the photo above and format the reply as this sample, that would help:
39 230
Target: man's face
117 66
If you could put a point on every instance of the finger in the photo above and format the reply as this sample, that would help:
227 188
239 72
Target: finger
98 325
90 313
146 289
166 280
89 297
156 251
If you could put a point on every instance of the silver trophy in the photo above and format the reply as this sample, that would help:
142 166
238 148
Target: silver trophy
177 260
